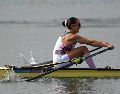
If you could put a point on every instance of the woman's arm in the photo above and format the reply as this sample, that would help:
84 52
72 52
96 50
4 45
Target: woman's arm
95 43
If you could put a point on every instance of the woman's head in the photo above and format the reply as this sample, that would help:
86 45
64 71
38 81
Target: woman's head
71 22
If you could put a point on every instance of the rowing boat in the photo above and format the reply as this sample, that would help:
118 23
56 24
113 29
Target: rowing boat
49 70
29 72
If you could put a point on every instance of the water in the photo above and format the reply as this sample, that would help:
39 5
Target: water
62 86
34 25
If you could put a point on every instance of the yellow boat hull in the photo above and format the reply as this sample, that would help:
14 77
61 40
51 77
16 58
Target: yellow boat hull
85 73
63 73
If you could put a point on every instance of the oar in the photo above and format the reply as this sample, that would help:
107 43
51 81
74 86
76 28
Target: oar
97 48
49 63
70 64
104 50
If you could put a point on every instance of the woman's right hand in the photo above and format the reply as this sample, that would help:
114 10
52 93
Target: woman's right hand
109 45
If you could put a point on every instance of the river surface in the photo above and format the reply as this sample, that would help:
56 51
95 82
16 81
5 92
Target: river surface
31 27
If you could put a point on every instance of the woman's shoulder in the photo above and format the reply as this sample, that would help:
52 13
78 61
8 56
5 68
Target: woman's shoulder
75 36
71 36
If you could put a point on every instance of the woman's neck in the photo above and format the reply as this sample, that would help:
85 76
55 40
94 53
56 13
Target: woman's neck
73 32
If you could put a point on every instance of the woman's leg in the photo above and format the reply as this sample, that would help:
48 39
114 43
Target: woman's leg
90 61
59 59
82 51
78 52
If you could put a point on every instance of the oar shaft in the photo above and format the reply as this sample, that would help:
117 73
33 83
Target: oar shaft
95 49
98 52
48 72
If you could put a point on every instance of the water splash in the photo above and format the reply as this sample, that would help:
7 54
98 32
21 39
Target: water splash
30 61
11 76
24 59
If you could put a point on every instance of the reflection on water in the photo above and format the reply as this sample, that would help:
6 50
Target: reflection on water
81 86
74 86
63 86
69 86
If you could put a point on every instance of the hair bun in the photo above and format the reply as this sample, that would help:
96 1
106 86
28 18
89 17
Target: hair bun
64 23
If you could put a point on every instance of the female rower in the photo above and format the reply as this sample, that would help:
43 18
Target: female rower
65 50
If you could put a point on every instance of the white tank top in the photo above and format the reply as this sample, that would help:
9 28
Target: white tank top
57 45
61 48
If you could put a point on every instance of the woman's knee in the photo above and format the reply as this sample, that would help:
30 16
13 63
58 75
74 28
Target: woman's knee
84 49
80 51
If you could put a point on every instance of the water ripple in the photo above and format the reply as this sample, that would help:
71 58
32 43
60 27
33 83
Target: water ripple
86 22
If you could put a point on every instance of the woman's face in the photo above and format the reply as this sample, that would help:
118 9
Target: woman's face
76 27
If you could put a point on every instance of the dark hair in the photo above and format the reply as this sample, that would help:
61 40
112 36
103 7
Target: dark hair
67 23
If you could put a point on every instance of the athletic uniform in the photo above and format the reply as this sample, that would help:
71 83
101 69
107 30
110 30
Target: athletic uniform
60 51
